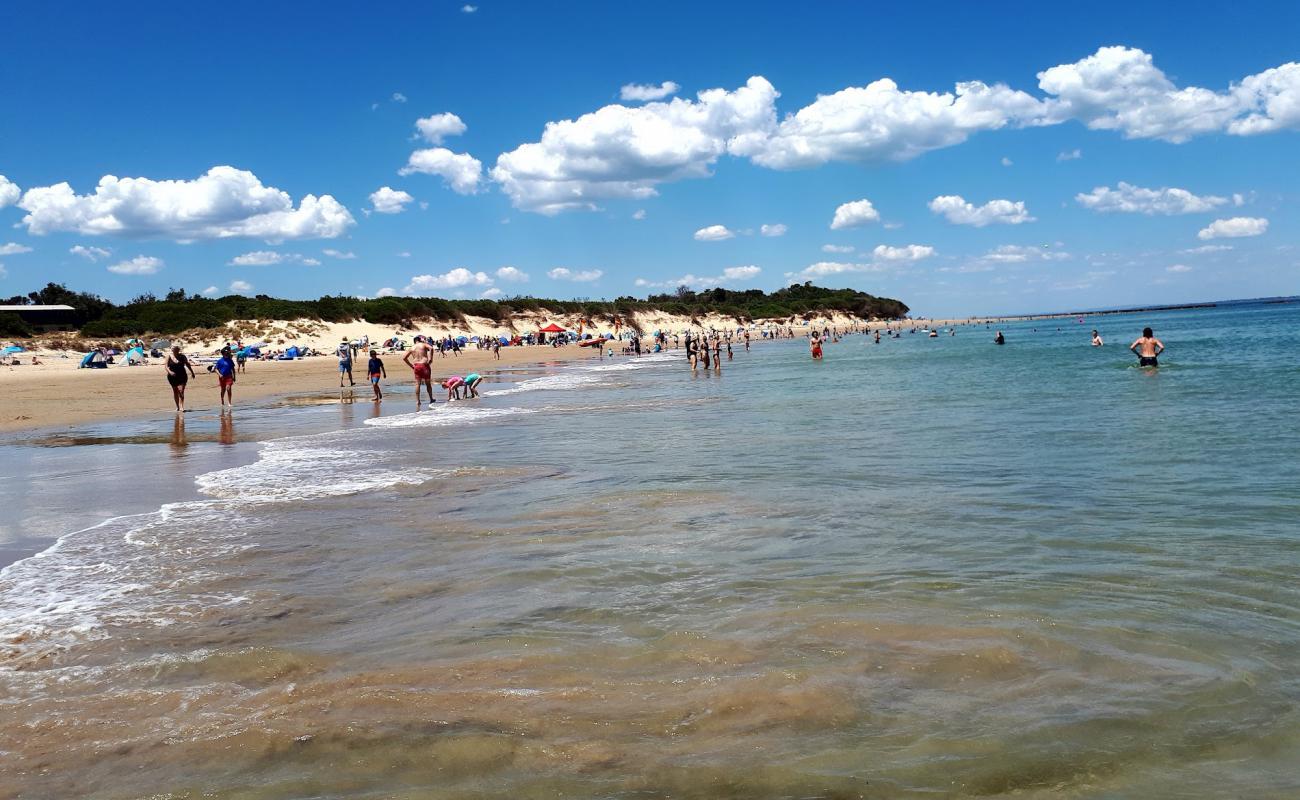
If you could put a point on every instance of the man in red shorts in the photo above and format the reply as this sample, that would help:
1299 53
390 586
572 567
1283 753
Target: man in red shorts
420 359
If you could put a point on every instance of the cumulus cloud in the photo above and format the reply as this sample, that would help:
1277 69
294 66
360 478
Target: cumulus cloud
626 151
387 291
1006 162
959 212
777 229
512 274
385 200
223 203
837 248
9 192
1069 155
1137 200
1178 268
1234 228
643 92
911 252
460 171
13 249
265 258
339 254
140 265
639 214
578 276
240 287
453 279
821 269
620 151
854 214
491 294
714 233
210 291
89 253
730 275
468 9
434 128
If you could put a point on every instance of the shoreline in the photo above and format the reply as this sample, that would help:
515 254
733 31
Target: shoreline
56 396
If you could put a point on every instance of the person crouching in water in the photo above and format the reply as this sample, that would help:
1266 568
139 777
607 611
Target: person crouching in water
453 386
376 371
470 386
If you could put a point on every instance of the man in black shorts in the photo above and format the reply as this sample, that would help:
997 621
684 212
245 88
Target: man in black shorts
1148 348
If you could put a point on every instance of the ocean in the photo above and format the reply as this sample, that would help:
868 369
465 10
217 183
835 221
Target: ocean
928 567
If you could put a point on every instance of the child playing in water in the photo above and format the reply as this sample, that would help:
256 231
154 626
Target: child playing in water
376 371
470 386
453 386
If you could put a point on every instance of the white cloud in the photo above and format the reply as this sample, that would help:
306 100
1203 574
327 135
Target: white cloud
265 258
959 212
140 265
580 276
389 201
823 268
1018 254
625 152
9 192
639 214
837 248
642 92
89 253
339 254
512 274
851 215
240 287
1178 268
387 291
1069 155
4 273
730 275
1207 248
714 233
911 252
13 249
468 9
211 290
398 97
1233 228
491 294
1006 162
453 279
433 129
1137 200
404 254
223 203
777 229
460 171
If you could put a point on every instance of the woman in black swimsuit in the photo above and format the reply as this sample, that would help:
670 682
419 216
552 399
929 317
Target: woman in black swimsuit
177 363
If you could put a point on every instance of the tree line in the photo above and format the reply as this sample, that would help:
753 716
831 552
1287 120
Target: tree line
179 311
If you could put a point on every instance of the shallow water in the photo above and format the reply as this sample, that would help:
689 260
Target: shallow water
924 568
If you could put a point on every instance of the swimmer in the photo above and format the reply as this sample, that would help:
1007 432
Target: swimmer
1096 339
999 339
815 345
1148 348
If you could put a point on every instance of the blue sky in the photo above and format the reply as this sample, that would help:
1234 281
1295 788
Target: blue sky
1137 154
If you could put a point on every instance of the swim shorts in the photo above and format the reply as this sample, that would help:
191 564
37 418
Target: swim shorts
345 366
1148 361
224 382
816 352
422 371
374 377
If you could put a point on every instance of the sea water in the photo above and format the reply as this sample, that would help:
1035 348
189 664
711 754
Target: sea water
928 567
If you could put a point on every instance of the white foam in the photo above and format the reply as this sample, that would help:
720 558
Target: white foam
446 414
548 382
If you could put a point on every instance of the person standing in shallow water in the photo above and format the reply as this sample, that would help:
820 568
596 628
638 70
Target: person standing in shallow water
1148 349
177 364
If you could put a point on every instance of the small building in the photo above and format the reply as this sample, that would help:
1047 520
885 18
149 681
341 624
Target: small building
44 319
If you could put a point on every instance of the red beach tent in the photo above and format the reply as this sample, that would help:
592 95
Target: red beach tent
552 328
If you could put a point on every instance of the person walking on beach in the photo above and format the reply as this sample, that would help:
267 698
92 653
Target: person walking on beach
344 352
420 359
225 368
177 364
376 371
1148 349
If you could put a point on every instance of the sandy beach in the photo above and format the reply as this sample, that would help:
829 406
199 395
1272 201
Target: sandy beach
56 394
